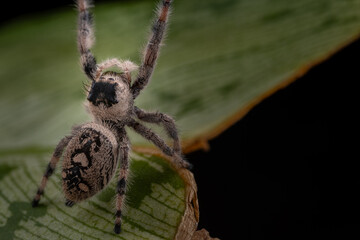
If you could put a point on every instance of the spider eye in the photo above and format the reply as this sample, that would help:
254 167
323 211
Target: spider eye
111 79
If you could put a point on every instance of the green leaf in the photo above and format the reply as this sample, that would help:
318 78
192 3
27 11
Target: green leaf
220 59
156 206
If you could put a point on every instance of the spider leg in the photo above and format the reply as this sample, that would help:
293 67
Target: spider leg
86 39
121 185
165 120
50 169
152 48
157 141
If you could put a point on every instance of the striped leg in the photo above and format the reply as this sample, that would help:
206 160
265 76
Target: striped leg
121 185
152 48
86 39
50 169
165 120
155 139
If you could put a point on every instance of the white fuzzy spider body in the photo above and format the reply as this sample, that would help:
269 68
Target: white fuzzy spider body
93 150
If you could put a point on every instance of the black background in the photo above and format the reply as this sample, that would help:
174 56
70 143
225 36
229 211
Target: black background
289 168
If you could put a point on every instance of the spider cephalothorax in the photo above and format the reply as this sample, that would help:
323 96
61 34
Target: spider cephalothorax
109 98
93 150
105 91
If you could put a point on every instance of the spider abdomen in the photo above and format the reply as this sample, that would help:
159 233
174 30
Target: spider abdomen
89 161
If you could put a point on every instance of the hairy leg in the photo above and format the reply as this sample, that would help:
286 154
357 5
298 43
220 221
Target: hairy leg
50 169
155 139
165 120
152 48
86 39
121 185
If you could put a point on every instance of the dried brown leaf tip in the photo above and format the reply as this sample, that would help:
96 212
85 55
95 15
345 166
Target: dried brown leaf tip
190 220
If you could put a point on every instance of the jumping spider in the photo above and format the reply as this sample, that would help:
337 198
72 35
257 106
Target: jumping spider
93 150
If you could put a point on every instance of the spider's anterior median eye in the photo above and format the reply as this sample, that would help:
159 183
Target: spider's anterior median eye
111 79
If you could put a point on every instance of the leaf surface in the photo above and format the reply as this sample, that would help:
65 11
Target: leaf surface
219 59
155 202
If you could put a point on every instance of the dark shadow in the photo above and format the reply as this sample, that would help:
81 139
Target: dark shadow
20 211
289 169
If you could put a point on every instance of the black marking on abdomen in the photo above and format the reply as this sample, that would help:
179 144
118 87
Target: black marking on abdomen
108 172
74 178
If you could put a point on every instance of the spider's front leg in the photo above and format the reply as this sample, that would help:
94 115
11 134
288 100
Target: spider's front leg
123 174
165 120
152 48
155 139
50 169
86 39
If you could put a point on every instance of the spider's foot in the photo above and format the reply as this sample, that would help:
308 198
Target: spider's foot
35 202
117 228
69 203
188 166
181 162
